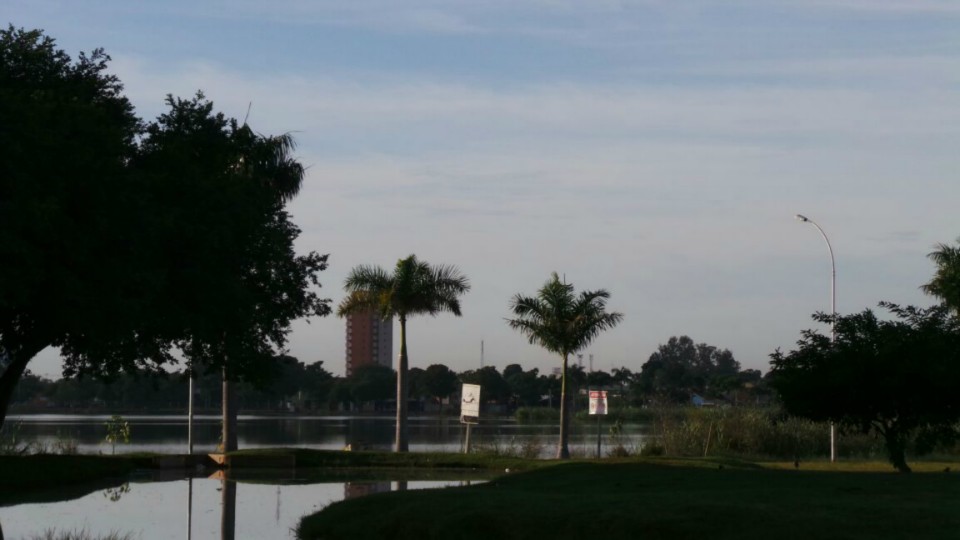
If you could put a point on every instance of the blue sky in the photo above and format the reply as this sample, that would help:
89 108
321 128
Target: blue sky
656 149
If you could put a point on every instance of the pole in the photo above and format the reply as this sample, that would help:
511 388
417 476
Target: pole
598 436
833 312
190 416
189 508
466 445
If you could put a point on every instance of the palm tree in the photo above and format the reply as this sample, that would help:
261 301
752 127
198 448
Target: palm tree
562 323
414 288
946 281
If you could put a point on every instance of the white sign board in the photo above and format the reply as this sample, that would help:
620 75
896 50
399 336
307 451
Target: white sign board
470 403
598 402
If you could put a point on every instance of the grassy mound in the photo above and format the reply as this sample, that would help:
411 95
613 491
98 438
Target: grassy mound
656 500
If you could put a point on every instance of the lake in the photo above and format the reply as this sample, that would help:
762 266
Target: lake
155 505
168 433
195 508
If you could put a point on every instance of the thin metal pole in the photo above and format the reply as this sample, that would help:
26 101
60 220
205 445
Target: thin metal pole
598 436
833 312
466 446
190 416
189 508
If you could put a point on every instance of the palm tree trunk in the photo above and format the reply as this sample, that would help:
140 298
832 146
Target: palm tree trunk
563 452
401 436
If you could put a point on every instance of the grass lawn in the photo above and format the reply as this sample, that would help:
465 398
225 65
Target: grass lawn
661 499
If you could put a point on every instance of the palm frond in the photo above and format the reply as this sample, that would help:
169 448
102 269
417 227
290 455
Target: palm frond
414 288
560 321
945 283
368 289
367 278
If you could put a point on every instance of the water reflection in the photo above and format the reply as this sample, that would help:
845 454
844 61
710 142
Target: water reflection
228 508
231 506
169 433
114 494
189 509
352 490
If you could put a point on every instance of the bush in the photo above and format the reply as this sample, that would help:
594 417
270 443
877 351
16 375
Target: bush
752 432
649 450
10 442
527 448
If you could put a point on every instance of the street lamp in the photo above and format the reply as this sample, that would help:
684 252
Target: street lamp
833 312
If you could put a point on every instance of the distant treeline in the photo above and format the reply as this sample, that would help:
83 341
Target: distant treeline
675 373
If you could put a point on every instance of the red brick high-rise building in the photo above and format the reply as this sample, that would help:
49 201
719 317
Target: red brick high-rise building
369 341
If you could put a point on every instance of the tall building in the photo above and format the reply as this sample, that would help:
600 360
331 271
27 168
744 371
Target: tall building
369 341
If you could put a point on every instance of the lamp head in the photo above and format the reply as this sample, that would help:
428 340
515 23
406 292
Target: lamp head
802 218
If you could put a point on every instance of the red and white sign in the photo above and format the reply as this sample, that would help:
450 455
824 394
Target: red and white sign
598 402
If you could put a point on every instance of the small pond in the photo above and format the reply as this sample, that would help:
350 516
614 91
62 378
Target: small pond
247 507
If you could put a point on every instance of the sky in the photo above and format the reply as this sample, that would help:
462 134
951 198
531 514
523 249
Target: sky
656 149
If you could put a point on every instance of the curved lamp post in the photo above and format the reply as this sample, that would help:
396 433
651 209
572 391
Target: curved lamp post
833 311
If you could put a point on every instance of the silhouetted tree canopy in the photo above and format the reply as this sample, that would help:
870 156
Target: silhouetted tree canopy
897 378
121 243
680 367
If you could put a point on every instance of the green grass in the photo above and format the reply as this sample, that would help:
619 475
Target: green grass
660 499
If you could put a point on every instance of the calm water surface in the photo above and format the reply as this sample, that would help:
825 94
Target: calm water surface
168 434
270 507
193 508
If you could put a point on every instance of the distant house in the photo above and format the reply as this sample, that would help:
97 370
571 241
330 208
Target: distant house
699 401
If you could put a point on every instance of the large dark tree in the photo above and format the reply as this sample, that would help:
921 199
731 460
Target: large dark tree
897 378
680 367
372 383
563 323
525 386
414 288
493 387
238 282
121 253
439 382
72 273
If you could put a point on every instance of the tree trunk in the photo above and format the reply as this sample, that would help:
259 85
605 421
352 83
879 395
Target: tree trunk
229 410
401 444
11 376
896 448
563 451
